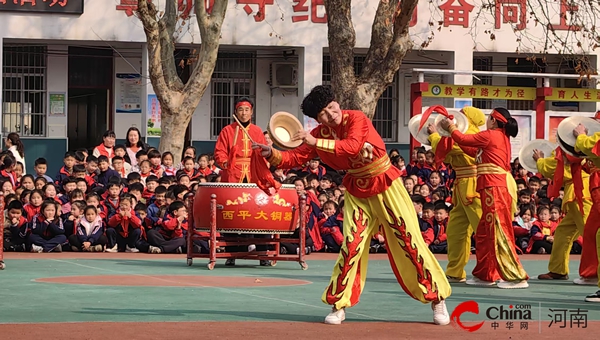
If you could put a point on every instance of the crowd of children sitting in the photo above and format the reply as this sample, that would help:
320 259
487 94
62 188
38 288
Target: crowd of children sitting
111 203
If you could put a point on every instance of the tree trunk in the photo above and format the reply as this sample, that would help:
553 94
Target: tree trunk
390 41
173 127
178 101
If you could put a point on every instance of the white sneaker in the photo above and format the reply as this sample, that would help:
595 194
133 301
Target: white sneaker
478 282
36 249
154 250
251 248
131 250
586 281
336 316
112 250
513 284
440 313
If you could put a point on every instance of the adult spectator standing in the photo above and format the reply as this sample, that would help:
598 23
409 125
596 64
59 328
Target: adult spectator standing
133 144
15 146
106 147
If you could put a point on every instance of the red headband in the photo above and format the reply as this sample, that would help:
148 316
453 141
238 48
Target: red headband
243 104
499 117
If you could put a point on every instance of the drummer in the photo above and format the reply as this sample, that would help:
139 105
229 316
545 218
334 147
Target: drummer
234 149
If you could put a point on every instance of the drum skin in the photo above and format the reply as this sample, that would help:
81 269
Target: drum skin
244 208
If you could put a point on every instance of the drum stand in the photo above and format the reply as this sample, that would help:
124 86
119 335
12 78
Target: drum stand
222 241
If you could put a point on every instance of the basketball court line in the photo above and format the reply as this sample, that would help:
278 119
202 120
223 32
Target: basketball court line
223 289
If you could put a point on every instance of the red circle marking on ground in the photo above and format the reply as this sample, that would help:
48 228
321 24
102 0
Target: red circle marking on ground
173 281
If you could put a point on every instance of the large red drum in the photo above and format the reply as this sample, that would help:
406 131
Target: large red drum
244 208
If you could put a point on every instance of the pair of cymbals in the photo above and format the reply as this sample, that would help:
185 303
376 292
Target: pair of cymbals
282 127
422 136
565 137
526 153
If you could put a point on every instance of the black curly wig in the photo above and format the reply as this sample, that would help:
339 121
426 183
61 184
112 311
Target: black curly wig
318 98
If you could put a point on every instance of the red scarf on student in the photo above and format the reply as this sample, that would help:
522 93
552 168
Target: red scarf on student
104 151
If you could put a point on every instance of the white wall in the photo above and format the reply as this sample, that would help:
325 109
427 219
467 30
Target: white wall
57 80
123 121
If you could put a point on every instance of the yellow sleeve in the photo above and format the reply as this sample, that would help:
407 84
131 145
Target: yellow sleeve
434 139
547 166
585 144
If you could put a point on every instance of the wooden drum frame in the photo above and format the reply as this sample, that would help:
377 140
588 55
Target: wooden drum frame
215 201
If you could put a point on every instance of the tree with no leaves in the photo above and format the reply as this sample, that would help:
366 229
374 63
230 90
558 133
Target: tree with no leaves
178 101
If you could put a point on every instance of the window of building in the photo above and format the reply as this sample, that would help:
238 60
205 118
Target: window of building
233 78
24 90
385 119
482 64
522 65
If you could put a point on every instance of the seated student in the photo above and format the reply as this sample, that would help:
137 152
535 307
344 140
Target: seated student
426 227
169 237
425 192
47 231
91 171
72 219
203 167
16 223
136 190
525 196
151 184
112 201
435 181
105 171
35 203
40 167
67 169
542 233
124 229
157 209
120 166
440 222
74 195
521 184
522 226
90 232
167 164
534 185
189 168
154 157
94 199
82 185
428 212
330 226
79 172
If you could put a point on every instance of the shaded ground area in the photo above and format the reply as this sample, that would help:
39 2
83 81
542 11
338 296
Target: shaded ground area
244 307
277 330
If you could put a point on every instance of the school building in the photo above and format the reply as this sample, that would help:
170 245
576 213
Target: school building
73 69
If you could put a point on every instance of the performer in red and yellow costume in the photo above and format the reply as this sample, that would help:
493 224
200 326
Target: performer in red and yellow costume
466 214
233 152
590 146
233 149
375 196
494 237
567 171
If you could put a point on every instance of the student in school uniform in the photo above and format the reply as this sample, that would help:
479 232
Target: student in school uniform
440 222
71 219
124 228
112 201
67 170
17 226
47 231
90 232
169 237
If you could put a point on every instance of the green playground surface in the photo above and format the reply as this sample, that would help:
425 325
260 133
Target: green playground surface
25 300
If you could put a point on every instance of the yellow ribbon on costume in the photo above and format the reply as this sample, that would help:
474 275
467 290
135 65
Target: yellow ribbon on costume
511 184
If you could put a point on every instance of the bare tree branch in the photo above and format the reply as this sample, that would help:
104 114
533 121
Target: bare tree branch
166 26
210 33
381 37
342 39
147 13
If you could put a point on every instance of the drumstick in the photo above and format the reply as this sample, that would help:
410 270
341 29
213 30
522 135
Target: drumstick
243 129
